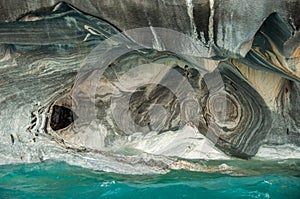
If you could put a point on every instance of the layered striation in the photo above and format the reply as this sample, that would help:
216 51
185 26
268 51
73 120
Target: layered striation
75 88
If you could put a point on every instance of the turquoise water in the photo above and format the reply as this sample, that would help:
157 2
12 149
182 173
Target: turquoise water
60 180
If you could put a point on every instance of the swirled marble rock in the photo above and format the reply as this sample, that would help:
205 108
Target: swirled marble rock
246 118
74 88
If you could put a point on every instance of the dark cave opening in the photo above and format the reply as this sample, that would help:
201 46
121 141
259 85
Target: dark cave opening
61 117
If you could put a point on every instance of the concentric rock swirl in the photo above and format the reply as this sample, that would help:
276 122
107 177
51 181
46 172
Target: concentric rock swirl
234 114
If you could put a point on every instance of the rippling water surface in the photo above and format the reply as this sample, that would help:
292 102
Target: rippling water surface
280 179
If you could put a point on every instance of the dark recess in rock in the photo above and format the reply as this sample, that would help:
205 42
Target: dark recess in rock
12 139
201 14
61 117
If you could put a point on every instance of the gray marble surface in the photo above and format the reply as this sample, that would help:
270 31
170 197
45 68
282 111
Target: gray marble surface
215 81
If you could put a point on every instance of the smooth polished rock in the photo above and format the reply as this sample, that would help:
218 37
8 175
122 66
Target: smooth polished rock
74 89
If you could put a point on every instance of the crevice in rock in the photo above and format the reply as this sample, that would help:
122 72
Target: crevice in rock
12 139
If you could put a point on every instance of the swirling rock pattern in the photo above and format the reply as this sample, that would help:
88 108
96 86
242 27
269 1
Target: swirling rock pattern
53 108
243 124
142 91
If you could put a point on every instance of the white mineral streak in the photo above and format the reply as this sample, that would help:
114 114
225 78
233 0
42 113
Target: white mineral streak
211 22
190 8
202 37
157 44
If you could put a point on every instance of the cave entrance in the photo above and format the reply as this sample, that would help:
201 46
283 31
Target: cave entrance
61 117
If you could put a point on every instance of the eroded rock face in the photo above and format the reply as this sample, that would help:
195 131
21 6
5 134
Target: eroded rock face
247 117
76 89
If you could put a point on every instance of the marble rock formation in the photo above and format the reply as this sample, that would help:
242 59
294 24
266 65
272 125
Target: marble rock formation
205 85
